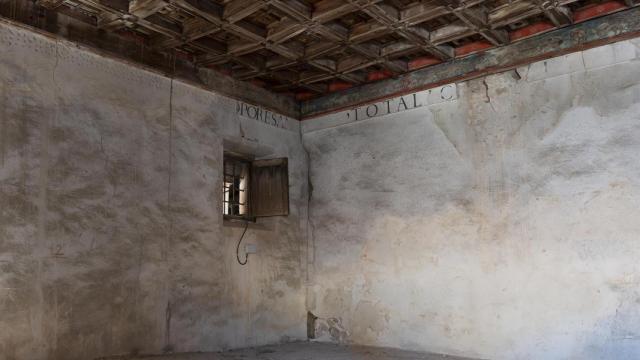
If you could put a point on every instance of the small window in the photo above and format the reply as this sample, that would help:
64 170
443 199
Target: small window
236 186
255 188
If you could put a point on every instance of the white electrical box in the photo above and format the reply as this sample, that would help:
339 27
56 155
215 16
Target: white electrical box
250 248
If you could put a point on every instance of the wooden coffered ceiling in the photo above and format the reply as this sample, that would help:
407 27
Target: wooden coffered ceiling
312 47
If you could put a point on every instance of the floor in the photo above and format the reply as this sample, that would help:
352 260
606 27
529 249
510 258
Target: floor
302 351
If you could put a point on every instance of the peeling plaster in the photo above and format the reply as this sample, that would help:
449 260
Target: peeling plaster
499 225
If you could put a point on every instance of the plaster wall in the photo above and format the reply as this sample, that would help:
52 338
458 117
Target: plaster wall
499 223
111 234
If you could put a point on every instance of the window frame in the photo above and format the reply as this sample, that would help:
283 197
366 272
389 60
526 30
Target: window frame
248 162
260 200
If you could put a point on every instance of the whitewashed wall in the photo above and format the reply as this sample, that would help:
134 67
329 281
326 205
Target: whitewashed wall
111 232
500 223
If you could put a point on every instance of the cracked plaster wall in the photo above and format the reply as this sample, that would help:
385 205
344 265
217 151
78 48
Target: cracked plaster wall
502 224
111 234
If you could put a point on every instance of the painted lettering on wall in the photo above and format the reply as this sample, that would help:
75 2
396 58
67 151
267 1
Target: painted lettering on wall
261 114
403 103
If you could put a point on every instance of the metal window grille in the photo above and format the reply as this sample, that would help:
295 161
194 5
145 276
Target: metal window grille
236 187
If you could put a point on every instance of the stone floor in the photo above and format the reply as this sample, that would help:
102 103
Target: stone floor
302 351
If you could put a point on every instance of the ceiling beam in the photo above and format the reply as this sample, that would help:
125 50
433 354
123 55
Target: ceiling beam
477 20
216 32
193 29
50 4
397 48
596 32
237 10
146 8
421 12
284 30
327 10
512 12
389 19
451 32
559 15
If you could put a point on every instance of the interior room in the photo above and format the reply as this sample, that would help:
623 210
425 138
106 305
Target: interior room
319 179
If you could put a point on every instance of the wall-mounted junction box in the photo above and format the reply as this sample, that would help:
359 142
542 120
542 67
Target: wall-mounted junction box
250 248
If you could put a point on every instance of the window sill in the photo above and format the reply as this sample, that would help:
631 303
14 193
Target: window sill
240 223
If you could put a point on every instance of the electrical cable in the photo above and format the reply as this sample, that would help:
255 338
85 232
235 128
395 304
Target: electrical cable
246 256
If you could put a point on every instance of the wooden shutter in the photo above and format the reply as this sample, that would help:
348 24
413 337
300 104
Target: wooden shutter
270 187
